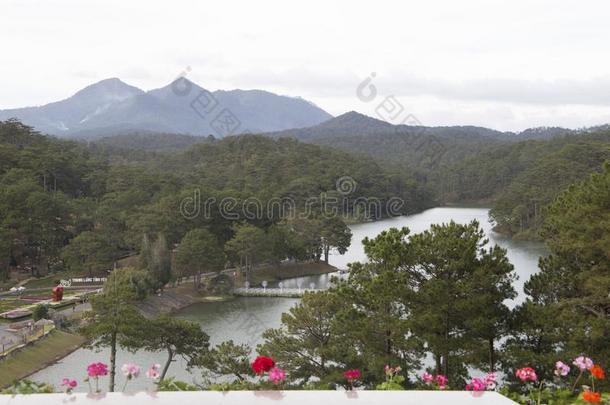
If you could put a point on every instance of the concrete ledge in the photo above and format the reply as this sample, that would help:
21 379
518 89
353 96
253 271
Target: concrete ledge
265 398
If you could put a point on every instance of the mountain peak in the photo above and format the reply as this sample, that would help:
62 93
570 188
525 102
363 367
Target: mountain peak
352 113
178 87
111 106
183 81
354 119
112 89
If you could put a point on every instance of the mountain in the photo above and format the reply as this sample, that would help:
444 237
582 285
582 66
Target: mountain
57 118
355 124
415 147
543 133
519 178
350 123
412 146
111 107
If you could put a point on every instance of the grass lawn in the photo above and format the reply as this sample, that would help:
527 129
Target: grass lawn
8 304
38 355
51 281
43 282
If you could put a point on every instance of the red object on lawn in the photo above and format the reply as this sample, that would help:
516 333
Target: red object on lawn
58 293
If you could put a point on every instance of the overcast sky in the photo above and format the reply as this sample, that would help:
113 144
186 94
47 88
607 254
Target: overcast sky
507 65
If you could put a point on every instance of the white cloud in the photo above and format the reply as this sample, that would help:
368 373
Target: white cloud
501 64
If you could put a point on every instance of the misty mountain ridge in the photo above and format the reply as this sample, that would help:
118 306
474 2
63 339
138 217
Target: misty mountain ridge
417 147
111 107
354 123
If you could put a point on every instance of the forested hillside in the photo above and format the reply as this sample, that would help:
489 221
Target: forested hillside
516 174
69 205
413 147
150 141
520 179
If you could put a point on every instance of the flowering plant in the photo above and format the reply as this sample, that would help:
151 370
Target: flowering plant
351 376
262 364
69 385
393 379
277 375
439 381
427 378
442 381
483 384
130 371
95 371
490 381
153 372
476 384
526 374
589 394
561 369
597 372
583 363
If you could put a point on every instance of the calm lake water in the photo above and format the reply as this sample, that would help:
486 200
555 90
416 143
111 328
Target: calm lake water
244 319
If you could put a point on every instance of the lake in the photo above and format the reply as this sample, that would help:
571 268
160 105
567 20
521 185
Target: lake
244 319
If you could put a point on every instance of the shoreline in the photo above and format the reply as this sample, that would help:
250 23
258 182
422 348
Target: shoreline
177 298
56 359
54 345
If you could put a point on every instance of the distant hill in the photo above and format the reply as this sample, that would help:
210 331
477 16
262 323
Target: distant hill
418 147
354 123
520 179
113 107
541 133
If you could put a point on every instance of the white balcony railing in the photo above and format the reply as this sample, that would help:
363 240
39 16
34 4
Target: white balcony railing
265 398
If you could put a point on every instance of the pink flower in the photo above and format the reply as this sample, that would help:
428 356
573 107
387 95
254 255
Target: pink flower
153 372
277 375
490 381
130 370
476 384
442 381
526 374
427 378
69 384
390 371
583 363
352 375
97 370
561 369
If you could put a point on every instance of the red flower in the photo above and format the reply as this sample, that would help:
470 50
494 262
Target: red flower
593 397
351 375
262 364
597 372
